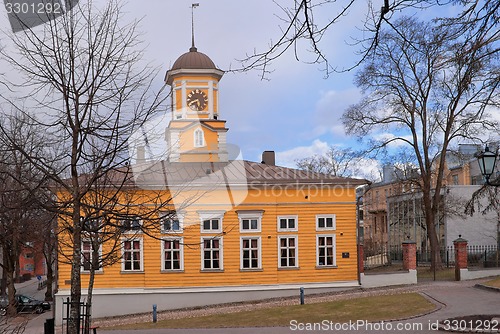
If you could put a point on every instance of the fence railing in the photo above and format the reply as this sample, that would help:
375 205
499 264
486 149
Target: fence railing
481 256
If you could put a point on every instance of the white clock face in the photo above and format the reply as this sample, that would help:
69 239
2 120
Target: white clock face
197 100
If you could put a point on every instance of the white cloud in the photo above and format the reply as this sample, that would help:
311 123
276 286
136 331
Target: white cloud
329 110
287 158
387 136
369 169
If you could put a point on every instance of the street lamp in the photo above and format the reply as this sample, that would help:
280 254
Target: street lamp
487 160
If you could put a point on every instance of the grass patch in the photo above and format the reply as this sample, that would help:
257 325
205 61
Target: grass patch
494 283
374 308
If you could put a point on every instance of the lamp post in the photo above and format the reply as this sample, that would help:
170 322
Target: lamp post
487 160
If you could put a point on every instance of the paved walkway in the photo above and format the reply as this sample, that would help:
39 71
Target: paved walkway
453 298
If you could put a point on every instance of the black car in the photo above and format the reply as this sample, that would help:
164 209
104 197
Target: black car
25 304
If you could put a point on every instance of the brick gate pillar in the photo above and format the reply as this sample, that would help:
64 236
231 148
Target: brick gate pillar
460 246
409 255
361 259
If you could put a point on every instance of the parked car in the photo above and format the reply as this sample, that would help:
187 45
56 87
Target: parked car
24 304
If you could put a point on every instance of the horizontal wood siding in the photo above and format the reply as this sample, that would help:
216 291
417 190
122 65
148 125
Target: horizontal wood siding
342 204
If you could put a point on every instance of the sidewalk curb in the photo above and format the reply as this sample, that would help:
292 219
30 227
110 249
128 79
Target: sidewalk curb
487 287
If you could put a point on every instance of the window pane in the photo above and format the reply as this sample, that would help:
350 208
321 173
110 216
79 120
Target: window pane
206 224
291 223
282 223
254 224
215 224
246 224
321 222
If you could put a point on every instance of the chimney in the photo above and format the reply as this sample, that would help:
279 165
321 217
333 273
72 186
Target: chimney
141 155
268 158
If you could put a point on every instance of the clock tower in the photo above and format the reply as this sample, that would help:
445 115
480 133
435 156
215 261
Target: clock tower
195 133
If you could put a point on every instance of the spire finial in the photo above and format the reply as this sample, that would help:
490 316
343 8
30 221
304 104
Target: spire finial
193 6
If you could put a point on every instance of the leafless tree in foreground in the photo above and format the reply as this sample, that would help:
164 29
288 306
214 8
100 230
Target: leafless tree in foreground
84 74
304 23
426 87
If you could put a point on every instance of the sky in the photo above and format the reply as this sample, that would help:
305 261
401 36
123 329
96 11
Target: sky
296 112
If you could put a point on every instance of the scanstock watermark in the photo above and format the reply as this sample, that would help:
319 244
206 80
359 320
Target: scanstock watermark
27 14
155 155
364 325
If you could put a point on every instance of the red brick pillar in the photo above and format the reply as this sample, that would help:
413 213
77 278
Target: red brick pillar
361 259
409 255
460 246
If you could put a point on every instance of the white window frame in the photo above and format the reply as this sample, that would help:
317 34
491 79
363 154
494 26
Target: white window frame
326 228
199 138
141 253
181 254
334 244
296 250
287 229
221 254
211 215
91 223
83 270
259 252
131 231
175 217
250 215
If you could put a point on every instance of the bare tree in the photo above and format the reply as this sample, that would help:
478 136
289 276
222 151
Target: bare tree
336 161
427 86
85 75
21 186
304 21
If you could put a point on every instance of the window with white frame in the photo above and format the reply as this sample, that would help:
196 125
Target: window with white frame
250 221
211 225
250 253
91 224
131 224
171 222
199 138
132 255
172 254
211 220
211 252
87 256
325 250
287 223
325 222
287 252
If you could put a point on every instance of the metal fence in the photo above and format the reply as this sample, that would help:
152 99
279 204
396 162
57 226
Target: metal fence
83 320
478 256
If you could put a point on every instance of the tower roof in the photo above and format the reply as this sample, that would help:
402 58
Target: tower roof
193 60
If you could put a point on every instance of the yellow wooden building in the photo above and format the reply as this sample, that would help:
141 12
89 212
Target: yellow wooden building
243 230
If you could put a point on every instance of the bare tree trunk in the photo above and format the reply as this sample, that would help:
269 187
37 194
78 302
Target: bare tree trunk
76 289
11 293
50 276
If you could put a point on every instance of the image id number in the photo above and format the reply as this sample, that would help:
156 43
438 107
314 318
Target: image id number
33 8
